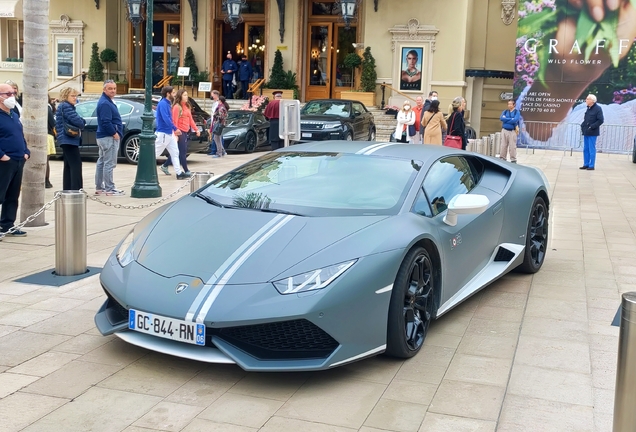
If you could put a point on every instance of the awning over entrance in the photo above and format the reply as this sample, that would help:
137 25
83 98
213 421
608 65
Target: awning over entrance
10 8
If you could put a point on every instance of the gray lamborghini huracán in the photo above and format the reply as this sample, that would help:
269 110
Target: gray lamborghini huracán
322 254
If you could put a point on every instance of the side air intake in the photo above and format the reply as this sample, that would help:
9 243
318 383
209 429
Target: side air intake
504 254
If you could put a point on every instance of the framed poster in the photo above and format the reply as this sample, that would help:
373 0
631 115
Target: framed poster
65 54
411 68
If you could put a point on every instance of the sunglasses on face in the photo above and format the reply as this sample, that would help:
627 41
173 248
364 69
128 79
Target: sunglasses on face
9 94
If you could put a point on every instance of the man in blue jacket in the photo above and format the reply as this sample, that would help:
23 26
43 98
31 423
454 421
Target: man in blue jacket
166 130
228 69
509 121
245 75
13 155
590 127
110 131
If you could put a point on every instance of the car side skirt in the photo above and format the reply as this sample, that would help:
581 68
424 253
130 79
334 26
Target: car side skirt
493 270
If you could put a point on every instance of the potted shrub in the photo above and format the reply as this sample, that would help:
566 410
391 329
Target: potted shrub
95 79
279 80
122 86
352 61
108 56
366 94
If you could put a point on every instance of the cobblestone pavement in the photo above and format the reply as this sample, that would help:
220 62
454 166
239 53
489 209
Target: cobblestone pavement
529 353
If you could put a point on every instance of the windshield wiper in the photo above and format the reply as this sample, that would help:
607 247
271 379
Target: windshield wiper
209 200
271 210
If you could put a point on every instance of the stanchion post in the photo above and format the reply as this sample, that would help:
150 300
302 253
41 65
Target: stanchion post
625 396
70 234
199 179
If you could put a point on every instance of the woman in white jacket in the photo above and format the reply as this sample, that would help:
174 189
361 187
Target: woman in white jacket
405 118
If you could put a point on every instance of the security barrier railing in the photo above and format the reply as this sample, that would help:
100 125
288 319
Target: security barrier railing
614 138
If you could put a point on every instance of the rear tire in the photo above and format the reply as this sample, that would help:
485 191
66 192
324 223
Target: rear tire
536 238
413 304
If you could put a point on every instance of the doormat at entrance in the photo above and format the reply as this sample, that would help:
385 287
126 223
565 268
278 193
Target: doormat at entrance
49 278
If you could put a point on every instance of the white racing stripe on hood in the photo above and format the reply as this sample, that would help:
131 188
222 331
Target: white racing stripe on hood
228 262
380 147
367 148
232 270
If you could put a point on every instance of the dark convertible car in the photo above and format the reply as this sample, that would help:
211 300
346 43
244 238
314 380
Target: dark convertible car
333 119
245 131
131 107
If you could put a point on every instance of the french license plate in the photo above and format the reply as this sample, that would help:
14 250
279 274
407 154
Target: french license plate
169 328
306 135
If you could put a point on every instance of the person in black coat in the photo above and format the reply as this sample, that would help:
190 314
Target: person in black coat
228 69
245 75
455 121
66 114
50 143
590 127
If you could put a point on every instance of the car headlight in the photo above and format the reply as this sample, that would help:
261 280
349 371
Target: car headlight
313 280
125 251
332 125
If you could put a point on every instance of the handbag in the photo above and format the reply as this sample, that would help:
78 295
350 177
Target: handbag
70 130
217 129
452 140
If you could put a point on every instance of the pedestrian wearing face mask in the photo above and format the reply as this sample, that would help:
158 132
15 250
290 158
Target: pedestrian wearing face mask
18 98
13 155
405 118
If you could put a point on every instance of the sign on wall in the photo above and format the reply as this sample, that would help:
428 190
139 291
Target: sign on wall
564 53
411 72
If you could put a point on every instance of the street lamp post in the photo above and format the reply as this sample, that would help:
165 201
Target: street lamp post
146 181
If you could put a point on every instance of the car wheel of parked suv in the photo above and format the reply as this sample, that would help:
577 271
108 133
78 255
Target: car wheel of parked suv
131 149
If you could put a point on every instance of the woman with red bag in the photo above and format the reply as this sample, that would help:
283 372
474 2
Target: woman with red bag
456 127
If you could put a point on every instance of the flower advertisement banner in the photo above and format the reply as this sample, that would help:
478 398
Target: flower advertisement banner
567 49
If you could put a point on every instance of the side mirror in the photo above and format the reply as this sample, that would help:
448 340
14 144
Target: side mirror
465 204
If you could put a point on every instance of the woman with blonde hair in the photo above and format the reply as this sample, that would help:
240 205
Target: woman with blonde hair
69 126
456 124
433 121
405 118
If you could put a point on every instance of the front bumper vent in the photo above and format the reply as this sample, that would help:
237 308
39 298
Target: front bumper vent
286 340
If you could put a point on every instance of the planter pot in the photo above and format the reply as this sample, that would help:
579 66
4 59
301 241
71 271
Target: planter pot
96 87
287 94
122 88
367 98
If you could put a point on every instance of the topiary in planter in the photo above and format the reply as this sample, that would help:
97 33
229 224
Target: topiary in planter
369 74
108 56
190 61
352 61
95 68
277 77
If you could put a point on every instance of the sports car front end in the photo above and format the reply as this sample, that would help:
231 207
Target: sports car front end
277 287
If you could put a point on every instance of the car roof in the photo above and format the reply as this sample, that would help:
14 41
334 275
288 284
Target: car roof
422 152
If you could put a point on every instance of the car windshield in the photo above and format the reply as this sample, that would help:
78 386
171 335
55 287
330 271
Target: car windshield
237 119
339 109
317 184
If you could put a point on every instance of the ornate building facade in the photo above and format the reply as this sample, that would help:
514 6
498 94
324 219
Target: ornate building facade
458 47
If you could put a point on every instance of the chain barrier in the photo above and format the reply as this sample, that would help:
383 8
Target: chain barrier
141 206
21 225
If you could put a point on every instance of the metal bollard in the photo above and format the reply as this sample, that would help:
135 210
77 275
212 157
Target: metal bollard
625 396
199 179
497 148
70 234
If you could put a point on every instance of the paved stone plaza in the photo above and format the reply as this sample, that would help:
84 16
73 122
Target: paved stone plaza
528 353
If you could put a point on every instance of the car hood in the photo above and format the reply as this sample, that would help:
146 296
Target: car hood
202 240
320 118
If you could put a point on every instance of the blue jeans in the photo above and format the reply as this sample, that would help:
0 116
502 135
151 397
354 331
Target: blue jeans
589 151
106 163
228 89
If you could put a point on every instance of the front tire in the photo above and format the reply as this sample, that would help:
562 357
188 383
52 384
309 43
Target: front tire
131 149
349 136
250 142
372 134
413 304
536 238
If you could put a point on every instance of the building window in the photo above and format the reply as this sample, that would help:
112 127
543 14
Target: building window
15 39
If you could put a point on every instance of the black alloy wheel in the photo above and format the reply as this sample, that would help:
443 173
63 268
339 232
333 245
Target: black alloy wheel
250 142
413 304
536 237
